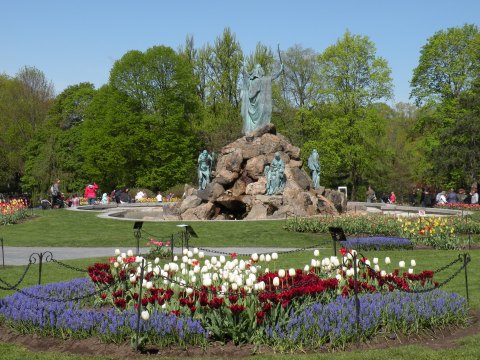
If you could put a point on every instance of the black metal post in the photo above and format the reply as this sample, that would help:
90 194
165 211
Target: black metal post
3 254
355 291
40 257
139 305
466 260
172 245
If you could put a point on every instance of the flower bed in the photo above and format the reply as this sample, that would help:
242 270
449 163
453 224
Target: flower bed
196 300
459 206
13 211
377 243
438 232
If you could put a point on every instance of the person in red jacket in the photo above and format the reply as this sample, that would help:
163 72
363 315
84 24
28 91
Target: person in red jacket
90 193
392 199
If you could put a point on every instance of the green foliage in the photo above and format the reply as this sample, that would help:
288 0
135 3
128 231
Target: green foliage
448 64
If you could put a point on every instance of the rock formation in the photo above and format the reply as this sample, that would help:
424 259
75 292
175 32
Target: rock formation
237 190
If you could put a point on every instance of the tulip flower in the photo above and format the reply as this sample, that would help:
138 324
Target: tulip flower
274 256
276 281
410 271
129 253
117 252
375 260
291 272
413 263
316 252
262 257
401 264
268 258
387 260
254 257
281 273
145 315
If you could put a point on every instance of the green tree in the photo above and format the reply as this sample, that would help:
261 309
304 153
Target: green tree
54 151
24 103
448 64
354 78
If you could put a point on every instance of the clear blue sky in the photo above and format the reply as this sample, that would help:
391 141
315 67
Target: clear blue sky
78 41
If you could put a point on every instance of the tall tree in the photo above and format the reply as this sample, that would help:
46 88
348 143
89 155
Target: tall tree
355 78
448 65
24 103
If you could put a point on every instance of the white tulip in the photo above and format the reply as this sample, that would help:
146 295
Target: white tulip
189 254
215 277
338 277
156 270
166 267
334 260
306 268
376 268
242 265
184 271
145 315
313 263
185 251
189 291
116 264
195 250
387 260
383 273
276 281
119 259
175 258
117 252
222 259
239 281
262 257
234 286
413 263
274 256
410 271
254 257
268 258
156 261
133 278
292 272
249 282
214 260
316 252
201 255
375 260
123 255
129 253
252 277
253 269
184 259
149 285
401 264
281 273
207 282
193 278
267 270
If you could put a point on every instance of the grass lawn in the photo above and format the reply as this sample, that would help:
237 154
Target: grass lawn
71 228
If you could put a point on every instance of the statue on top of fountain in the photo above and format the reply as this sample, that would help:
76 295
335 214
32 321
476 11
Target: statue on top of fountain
256 98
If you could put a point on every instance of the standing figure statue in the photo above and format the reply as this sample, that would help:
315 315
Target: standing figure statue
314 167
275 175
205 161
257 98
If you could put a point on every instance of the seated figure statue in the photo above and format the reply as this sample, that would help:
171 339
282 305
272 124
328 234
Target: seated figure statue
275 175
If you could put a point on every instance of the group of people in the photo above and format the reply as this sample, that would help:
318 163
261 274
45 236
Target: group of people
452 197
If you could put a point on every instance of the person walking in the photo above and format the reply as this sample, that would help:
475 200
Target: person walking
55 190
392 199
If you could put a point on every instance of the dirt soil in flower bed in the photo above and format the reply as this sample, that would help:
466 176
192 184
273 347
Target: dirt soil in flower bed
436 339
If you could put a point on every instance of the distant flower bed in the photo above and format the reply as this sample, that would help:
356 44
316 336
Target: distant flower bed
196 300
438 232
13 211
377 243
459 206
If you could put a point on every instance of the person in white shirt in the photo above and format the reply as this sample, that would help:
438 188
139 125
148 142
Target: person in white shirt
159 197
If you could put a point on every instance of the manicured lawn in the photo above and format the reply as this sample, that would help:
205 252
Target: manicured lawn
85 229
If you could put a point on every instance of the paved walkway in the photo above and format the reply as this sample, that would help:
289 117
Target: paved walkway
20 255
